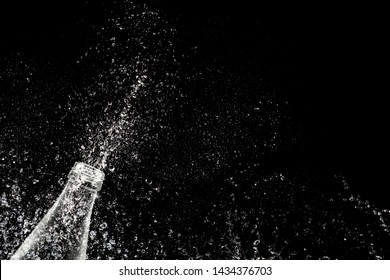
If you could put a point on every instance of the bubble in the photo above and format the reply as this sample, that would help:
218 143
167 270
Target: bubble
103 226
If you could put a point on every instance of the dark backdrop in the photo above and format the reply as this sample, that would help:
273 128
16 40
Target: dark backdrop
324 60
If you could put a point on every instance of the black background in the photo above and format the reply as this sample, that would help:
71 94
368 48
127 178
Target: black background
324 60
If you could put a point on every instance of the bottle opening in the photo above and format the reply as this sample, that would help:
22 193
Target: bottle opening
88 176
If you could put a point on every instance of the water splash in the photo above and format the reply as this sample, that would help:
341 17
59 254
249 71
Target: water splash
117 132
132 87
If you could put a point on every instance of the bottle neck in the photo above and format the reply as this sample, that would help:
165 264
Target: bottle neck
63 231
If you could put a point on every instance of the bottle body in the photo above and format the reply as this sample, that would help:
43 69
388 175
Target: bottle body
63 231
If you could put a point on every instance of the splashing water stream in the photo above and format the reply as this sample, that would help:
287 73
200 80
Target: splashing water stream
115 132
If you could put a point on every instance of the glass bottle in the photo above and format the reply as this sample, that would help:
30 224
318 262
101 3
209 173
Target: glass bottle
63 231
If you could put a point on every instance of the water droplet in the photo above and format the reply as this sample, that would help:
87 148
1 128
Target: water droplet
92 234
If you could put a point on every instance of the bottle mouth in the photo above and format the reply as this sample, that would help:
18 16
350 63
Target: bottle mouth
90 177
